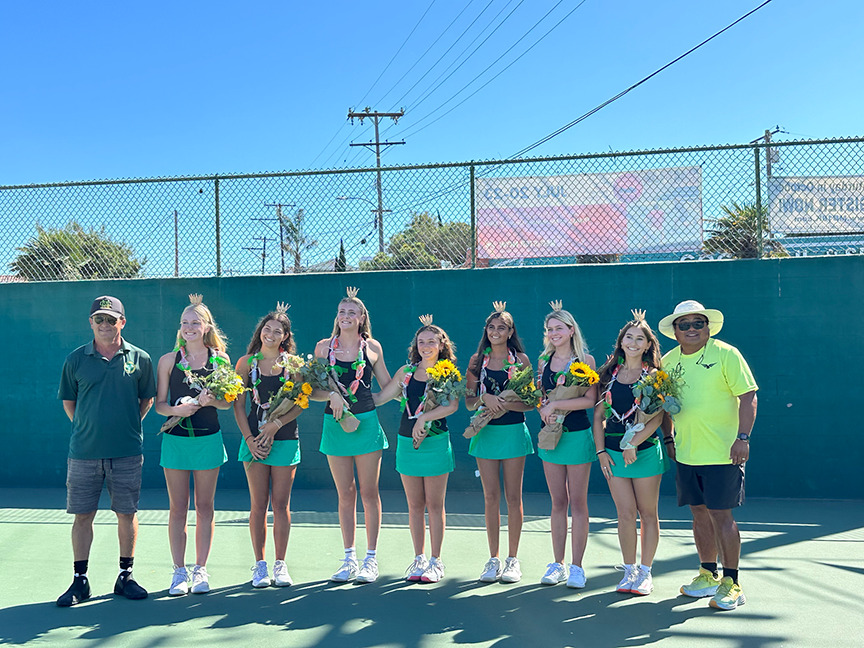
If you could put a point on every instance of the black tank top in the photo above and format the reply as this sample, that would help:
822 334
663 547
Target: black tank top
268 386
575 420
496 382
364 391
203 422
415 393
622 401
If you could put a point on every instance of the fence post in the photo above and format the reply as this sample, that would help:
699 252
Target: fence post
758 202
218 231
473 221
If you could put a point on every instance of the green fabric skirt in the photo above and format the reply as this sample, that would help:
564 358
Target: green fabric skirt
367 438
649 462
501 442
434 456
576 447
283 453
193 453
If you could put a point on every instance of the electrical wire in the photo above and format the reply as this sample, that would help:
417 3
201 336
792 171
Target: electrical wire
632 87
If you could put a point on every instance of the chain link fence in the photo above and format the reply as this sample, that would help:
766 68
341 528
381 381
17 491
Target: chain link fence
740 201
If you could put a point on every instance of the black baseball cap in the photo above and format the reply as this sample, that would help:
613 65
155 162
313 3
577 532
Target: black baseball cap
109 306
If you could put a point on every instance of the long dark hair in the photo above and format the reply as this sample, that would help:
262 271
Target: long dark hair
514 343
651 356
286 345
448 349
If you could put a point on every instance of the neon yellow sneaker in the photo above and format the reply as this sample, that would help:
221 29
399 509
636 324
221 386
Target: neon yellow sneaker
729 595
703 585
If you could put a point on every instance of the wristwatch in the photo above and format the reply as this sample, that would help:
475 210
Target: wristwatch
744 437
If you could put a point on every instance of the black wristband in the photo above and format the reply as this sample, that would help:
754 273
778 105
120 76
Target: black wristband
601 452
668 440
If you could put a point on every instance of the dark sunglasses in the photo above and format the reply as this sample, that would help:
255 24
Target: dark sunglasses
98 319
686 326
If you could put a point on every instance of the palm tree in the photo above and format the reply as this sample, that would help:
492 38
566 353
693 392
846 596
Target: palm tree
295 242
737 233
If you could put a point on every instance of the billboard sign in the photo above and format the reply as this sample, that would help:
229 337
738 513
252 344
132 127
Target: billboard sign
655 210
816 204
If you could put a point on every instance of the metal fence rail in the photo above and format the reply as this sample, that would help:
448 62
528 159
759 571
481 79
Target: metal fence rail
737 201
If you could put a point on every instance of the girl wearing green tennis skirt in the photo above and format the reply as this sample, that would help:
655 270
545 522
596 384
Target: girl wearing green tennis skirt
568 466
269 451
502 445
633 471
193 446
424 456
354 357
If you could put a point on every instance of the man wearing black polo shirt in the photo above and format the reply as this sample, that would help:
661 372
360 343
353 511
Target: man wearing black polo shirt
107 387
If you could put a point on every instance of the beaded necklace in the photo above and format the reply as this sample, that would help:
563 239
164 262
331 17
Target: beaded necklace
358 366
509 366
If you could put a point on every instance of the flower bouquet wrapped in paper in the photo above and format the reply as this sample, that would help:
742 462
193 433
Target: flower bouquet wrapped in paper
655 393
223 382
318 373
520 388
444 385
292 394
573 382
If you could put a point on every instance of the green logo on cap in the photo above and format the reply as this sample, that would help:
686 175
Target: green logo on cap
106 303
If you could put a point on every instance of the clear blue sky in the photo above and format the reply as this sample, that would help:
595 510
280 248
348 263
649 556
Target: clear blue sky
109 90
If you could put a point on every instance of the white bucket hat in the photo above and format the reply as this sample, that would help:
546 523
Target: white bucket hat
691 307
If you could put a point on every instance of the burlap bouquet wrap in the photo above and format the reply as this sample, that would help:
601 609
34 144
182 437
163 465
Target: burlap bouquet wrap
483 416
429 405
550 434
348 422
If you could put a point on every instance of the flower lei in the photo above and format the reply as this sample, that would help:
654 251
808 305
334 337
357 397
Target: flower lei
255 376
558 377
183 365
509 366
607 396
359 365
403 402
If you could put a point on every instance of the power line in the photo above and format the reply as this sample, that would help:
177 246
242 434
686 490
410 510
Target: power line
507 67
632 87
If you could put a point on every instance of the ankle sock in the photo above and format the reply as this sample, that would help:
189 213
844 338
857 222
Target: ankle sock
710 566
645 568
80 567
350 552
371 553
731 573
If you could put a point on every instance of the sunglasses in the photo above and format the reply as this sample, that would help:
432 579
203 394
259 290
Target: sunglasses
686 326
98 319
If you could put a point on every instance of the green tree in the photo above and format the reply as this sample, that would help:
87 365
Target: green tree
426 242
340 265
72 252
295 241
736 233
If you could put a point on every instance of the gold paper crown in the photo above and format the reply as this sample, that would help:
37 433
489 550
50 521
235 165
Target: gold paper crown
500 306
638 315
282 307
426 320
196 299
557 305
352 292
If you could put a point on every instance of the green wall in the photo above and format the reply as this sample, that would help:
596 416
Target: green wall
787 316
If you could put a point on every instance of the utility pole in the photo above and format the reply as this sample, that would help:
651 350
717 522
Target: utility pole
771 154
262 249
375 116
278 207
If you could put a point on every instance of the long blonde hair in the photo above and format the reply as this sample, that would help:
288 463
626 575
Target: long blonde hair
364 328
578 348
214 337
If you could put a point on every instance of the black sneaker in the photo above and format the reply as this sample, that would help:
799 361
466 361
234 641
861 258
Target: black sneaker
129 588
78 591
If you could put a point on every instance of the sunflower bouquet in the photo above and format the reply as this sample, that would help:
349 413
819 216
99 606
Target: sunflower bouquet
290 395
654 394
520 389
573 382
444 384
223 382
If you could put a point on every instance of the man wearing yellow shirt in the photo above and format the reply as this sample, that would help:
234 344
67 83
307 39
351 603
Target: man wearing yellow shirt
711 444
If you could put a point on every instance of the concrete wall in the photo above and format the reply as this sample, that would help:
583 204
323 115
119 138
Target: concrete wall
793 319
